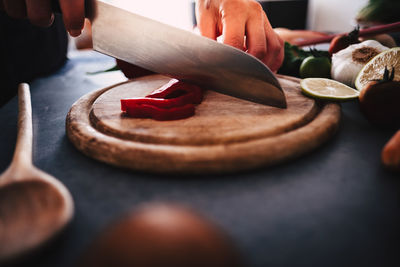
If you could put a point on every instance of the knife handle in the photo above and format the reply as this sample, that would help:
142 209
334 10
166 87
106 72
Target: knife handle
90 8
55 6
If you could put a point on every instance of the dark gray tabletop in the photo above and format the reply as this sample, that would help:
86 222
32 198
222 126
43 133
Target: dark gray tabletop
336 206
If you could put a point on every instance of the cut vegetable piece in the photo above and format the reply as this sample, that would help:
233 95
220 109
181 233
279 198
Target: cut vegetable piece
327 89
160 114
375 68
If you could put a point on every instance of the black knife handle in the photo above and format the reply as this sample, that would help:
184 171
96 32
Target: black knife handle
55 5
90 8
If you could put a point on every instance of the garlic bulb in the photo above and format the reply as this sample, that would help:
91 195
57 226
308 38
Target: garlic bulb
347 63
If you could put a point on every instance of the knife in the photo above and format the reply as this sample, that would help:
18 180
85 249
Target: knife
183 55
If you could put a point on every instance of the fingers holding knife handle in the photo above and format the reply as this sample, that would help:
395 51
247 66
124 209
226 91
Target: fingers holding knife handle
41 12
89 7
74 13
15 9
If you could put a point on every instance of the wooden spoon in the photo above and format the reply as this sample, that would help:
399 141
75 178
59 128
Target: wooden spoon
33 205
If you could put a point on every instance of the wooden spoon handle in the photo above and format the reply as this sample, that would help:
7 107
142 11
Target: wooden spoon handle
23 149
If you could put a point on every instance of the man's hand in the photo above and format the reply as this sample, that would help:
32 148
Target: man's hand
242 24
40 12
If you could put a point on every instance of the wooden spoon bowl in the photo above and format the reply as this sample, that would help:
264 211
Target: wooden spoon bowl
33 205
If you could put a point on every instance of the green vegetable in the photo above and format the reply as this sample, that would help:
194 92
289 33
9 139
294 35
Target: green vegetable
315 67
294 56
115 68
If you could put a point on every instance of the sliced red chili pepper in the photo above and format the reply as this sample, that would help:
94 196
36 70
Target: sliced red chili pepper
175 88
189 98
172 101
161 114
172 86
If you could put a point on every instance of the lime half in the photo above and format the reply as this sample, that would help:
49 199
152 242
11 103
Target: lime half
375 68
327 89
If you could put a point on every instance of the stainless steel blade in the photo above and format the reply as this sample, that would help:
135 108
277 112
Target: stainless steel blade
184 55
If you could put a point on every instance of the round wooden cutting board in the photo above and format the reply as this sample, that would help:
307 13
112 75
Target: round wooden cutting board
225 135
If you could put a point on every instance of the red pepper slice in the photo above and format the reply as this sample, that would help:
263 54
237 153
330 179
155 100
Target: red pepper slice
175 88
189 98
161 114
172 101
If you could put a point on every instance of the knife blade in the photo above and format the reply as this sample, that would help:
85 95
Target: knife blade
183 55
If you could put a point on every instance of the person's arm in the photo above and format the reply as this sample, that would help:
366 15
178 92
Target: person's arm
40 13
242 24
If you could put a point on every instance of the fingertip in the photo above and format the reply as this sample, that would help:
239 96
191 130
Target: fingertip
74 26
73 16
75 33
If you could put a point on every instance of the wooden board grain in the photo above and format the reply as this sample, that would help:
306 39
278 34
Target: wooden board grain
226 134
